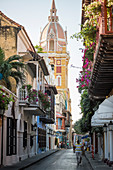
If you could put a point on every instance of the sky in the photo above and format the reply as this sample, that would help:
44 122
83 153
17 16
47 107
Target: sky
33 15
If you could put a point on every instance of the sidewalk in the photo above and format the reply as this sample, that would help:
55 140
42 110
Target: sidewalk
29 161
97 163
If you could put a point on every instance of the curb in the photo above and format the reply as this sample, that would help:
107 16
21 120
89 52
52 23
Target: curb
30 164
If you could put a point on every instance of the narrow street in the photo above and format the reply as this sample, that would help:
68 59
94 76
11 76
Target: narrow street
64 159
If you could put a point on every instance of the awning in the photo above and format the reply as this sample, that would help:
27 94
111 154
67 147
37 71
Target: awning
104 113
86 136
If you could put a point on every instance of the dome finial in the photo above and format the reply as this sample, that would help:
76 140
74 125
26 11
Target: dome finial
53 10
53 5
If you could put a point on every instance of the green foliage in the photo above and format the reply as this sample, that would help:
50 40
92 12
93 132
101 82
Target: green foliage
85 103
2 56
39 49
84 124
11 68
87 34
5 99
44 99
28 86
89 53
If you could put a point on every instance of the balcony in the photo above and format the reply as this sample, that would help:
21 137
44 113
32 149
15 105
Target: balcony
30 106
102 73
60 128
47 119
67 114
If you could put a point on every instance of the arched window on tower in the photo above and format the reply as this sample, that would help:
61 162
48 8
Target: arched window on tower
58 80
51 45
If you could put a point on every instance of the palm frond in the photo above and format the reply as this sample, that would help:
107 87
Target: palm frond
18 75
17 64
17 80
2 56
12 58
8 83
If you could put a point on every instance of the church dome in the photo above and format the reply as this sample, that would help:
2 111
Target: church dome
53 37
51 30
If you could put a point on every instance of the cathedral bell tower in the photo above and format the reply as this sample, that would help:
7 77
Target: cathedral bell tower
53 40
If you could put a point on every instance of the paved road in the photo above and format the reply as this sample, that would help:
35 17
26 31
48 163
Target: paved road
62 160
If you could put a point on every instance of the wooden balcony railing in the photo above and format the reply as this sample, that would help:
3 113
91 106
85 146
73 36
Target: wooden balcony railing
60 127
23 93
105 21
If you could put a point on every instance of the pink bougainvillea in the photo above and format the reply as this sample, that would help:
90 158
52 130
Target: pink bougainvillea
85 74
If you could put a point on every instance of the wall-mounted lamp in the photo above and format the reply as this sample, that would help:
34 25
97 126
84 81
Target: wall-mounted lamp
105 128
110 126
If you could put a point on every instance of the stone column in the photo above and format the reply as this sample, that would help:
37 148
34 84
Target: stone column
105 147
99 145
111 147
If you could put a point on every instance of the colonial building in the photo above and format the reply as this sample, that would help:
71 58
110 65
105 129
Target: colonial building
20 141
53 40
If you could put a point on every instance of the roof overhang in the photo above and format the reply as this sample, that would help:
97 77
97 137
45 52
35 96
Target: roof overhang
66 111
26 56
52 87
43 66
32 66
104 113
102 76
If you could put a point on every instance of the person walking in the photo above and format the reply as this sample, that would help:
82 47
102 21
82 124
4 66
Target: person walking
78 151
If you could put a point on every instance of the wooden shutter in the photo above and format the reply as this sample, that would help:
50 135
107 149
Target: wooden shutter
25 135
11 136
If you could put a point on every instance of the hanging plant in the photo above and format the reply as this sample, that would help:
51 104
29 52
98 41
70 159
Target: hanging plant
109 3
5 99
93 9
44 99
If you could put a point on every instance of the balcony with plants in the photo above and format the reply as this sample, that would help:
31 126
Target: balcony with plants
6 97
99 14
94 81
51 91
36 102
96 34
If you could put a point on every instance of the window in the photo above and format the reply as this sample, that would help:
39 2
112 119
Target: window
11 136
52 45
41 138
58 80
25 135
31 141
58 69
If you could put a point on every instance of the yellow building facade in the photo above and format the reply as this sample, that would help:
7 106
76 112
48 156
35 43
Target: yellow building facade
53 40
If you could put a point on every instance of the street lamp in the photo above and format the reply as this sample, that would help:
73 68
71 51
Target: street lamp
105 128
110 126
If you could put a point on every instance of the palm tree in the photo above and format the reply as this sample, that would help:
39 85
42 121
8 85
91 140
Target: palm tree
11 68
